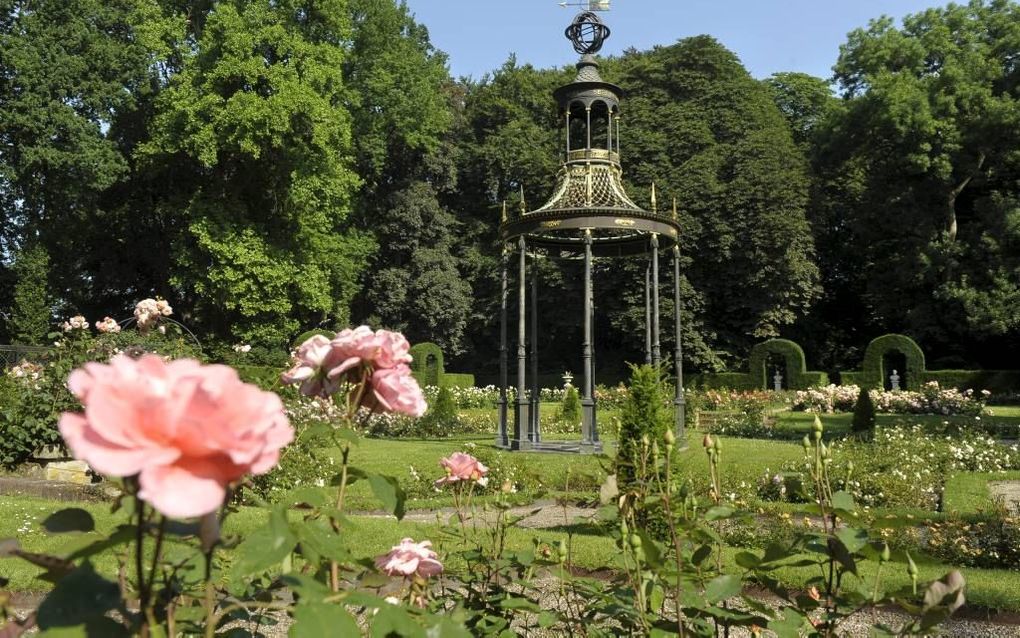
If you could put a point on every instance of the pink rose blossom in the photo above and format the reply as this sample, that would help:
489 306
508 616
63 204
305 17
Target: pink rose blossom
108 325
187 430
323 366
410 558
395 390
313 360
462 467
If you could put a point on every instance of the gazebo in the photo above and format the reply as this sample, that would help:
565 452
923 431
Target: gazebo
589 216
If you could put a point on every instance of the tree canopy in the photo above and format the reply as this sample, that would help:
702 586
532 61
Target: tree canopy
277 165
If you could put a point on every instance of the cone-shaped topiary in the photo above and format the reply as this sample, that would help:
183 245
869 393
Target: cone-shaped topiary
570 408
644 414
864 415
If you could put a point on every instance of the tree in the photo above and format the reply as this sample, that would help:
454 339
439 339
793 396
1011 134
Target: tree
30 319
70 69
705 132
926 149
257 114
804 101
415 286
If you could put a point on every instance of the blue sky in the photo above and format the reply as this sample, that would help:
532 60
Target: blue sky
767 35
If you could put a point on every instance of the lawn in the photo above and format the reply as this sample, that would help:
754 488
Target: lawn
967 492
371 536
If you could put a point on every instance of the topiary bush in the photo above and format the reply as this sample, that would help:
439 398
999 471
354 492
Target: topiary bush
864 415
644 414
427 363
874 372
444 408
570 408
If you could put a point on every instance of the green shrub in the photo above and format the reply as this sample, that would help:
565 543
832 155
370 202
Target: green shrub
29 320
443 411
995 381
264 377
722 381
570 408
990 541
644 414
34 403
304 463
458 380
864 414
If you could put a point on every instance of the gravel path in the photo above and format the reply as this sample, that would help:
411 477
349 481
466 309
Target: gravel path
1008 491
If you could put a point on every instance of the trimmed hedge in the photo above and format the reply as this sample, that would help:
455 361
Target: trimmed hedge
874 372
420 353
851 378
995 381
458 380
796 374
719 381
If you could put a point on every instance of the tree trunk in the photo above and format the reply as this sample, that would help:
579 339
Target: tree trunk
951 225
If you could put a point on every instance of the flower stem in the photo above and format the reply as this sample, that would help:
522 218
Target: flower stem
334 567
210 598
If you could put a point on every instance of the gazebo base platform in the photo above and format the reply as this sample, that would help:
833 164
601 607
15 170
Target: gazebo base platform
569 447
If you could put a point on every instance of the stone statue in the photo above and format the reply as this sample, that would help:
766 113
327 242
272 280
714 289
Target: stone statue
777 381
894 380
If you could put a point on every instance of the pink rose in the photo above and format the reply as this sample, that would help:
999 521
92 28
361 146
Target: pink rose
323 366
395 390
410 558
313 361
462 467
187 430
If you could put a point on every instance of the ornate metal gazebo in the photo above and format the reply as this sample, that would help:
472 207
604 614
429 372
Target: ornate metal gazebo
588 216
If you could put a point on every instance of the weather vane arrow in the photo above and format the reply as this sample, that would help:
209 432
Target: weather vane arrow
588 5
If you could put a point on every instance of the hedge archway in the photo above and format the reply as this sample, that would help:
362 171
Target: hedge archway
793 355
874 371
427 363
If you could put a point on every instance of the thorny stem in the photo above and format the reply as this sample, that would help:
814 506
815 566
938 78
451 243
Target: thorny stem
668 505
211 619
143 593
334 567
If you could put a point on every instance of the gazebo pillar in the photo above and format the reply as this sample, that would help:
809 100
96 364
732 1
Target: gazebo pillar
656 349
534 435
679 403
589 436
648 313
520 440
502 440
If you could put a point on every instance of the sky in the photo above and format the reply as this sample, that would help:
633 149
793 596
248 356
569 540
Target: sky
768 35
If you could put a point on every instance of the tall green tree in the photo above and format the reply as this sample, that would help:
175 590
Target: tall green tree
707 133
30 318
926 150
257 113
401 106
70 68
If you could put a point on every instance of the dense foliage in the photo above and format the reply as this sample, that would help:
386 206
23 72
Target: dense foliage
269 165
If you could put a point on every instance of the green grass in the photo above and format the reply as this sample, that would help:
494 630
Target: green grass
967 493
368 537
